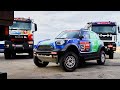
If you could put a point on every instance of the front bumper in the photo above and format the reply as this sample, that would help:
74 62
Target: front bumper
21 48
110 46
49 56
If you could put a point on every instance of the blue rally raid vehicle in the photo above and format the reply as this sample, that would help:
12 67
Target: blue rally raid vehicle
69 49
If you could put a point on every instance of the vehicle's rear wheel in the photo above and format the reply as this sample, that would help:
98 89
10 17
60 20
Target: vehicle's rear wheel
7 55
69 62
40 63
102 58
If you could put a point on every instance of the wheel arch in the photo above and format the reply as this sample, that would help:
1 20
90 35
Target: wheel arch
101 48
68 48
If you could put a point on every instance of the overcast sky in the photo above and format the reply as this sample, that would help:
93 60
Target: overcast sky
51 23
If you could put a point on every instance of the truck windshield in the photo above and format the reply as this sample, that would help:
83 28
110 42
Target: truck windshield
104 29
20 25
68 34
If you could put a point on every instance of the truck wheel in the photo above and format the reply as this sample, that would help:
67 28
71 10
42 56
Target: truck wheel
39 63
111 55
7 55
13 54
69 62
102 58
31 54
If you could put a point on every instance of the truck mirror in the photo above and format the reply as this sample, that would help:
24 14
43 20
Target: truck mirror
35 27
118 29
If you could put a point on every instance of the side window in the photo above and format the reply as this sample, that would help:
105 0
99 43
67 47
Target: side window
97 37
86 35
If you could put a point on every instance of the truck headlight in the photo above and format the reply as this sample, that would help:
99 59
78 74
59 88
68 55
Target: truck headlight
60 42
30 42
7 45
30 45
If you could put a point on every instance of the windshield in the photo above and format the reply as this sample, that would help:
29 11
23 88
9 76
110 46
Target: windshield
20 25
104 29
69 34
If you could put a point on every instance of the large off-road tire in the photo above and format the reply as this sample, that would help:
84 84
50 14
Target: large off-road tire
31 54
40 63
7 55
102 58
69 62
111 54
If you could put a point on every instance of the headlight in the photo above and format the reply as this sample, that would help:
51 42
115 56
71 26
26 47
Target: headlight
7 45
34 49
30 42
60 42
30 45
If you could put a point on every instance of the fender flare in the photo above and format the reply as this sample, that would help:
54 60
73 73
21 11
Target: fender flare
68 45
100 48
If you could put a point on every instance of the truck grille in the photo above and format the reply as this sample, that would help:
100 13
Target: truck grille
45 48
106 38
107 43
19 37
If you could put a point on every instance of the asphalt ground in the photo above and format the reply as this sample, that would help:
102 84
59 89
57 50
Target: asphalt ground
23 67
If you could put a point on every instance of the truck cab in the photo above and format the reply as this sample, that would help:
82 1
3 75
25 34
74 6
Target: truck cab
20 37
108 32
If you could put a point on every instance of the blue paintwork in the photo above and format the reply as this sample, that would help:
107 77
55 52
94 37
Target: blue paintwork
73 41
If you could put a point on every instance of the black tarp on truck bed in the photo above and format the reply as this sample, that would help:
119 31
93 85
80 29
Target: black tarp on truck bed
6 18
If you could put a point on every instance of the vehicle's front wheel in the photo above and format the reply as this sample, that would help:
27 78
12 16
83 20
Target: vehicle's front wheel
40 63
69 62
31 54
13 54
102 58
111 54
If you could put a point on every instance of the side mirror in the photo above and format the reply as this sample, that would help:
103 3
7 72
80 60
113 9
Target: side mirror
81 37
35 27
118 29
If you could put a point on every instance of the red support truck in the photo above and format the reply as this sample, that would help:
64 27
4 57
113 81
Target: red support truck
20 37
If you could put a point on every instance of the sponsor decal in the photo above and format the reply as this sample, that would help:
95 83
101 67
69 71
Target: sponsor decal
85 46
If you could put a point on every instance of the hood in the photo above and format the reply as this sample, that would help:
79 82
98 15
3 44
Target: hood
46 42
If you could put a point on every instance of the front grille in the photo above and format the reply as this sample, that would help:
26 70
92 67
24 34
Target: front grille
106 38
45 48
107 43
19 36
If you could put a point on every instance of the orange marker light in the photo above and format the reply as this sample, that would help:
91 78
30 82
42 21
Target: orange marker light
6 31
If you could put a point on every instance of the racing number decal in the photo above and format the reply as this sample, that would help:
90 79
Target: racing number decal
84 46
